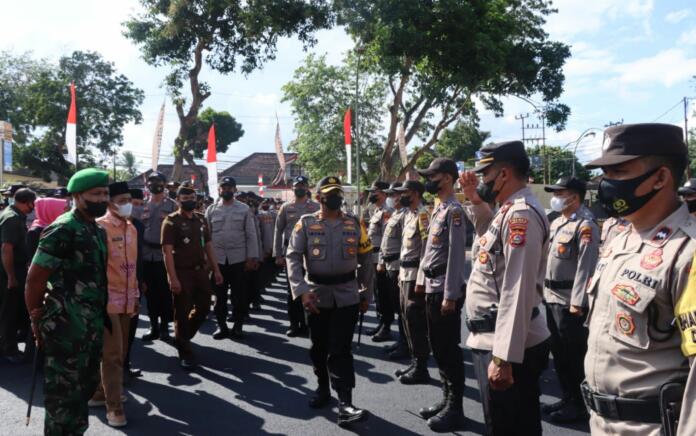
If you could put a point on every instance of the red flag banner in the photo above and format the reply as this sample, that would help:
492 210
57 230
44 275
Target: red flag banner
349 141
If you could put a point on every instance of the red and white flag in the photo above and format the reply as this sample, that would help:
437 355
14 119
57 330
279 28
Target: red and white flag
71 128
349 148
262 189
212 164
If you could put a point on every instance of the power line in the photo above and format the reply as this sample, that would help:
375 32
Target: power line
681 101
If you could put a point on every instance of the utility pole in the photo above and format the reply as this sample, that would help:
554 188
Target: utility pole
540 141
686 136
522 117
617 123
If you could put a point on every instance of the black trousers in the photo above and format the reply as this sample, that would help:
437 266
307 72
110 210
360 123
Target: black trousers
296 313
133 327
13 315
415 321
159 297
234 286
444 333
568 345
515 411
331 333
387 291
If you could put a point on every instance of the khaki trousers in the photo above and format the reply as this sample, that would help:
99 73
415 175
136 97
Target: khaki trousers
115 348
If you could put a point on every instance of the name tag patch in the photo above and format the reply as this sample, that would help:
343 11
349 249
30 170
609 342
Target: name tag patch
626 293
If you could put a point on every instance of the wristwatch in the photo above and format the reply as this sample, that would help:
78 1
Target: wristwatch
498 361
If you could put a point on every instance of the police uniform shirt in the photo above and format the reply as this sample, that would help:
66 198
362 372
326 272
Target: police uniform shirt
685 314
445 247
391 241
509 274
378 221
267 224
611 228
414 237
329 248
233 231
153 215
188 237
572 257
288 215
632 346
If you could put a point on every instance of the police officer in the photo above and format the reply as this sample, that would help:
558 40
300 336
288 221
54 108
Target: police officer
172 189
377 223
685 315
159 298
189 257
288 215
508 332
235 242
267 219
688 194
412 304
574 248
442 277
388 262
334 247
633 352
611 228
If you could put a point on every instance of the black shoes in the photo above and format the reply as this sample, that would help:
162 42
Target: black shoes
347 413
221 333
417 376
429 412
548 408
450 418
321 398
402 371
569 413
236 332
151 335
383 335
374 331
295 331
187 363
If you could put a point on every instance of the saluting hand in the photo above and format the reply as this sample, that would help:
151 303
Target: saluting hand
309 302
469 181
500 377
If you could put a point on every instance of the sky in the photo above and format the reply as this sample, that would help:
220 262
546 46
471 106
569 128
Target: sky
632 60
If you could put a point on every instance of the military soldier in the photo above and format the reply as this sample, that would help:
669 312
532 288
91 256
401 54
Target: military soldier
68 321
288 215
334 247
412 304
442 277
235 242
633 354
189 257
508 332
389 254
384 288
159 298
574 248
688 194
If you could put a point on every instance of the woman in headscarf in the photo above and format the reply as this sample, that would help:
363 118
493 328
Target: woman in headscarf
46 210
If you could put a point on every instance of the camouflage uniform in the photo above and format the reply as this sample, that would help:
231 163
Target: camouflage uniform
72 325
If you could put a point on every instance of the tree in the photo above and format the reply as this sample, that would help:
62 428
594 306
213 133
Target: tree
129 163
459 143
223 34
319 95
439 56
560 160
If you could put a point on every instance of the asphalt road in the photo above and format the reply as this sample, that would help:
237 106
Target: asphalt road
255 386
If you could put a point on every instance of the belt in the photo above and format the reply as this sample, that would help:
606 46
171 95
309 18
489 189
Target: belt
486 324
390 258
153 245
375 249
558 284
622 409
410 263
435 271
332 280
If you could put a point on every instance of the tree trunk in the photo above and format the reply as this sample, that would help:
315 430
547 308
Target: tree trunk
386 162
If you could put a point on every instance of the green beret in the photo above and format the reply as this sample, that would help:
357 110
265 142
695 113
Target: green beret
86 179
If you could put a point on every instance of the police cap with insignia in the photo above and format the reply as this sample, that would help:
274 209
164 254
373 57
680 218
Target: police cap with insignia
626 142
300 180
174 184
228 181
87 179
137 194
508 151
411 185
329 184
570 183
440 165
61 192
118 188
378 185
185 188
156 175
392 188
689 188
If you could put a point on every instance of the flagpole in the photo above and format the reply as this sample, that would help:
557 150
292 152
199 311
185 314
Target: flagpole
356 138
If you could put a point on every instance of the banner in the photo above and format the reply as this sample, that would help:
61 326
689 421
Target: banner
212 164
280 177
157 140
71 128
349 147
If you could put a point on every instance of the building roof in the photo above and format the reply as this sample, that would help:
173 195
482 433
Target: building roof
167 169
247 170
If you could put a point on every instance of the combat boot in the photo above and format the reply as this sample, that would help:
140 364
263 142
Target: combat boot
548 408
429 412
321 397
383 335
451 418
221 333
164 333
347 413
401 371
419 375
154 332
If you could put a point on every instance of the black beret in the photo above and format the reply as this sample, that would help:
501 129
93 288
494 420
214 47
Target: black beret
508 151
118 188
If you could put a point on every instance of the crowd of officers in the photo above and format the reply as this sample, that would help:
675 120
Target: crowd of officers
616 306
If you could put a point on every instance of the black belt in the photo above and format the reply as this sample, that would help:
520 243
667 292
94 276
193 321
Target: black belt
558 284
375 249
410 263
435 271
486 324
153 245
390 258
622 409
332 280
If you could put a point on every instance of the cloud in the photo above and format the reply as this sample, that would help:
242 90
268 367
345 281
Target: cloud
688 37
667 68
577 17
675 17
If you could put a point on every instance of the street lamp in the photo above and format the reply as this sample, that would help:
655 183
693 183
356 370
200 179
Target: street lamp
591 132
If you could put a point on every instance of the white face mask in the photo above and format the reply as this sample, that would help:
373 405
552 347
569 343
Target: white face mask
125 210
390 202
558 204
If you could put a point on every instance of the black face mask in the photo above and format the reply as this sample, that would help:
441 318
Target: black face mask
691 204
618 197
265 207
155 188
96 209
372 198
189 205
405 201
333 202
300 192
227 195
433 186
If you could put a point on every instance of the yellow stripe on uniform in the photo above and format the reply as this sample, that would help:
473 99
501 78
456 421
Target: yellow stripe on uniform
685 313
365 244
423 223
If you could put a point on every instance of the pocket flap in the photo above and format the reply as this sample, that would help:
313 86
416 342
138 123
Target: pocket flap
632 295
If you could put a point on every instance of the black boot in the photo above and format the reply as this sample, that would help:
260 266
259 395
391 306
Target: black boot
164 333
451 418
154 330
429 412
402 371
374 331
237 331
549 408
347 413
321 397
419 375
383 335
222 332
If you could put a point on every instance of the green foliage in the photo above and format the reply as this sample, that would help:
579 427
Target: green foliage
459 143
560 160
35 97
227 131
129 163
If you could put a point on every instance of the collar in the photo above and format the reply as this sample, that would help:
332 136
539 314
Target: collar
662 232
114 220
17 210
521 193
